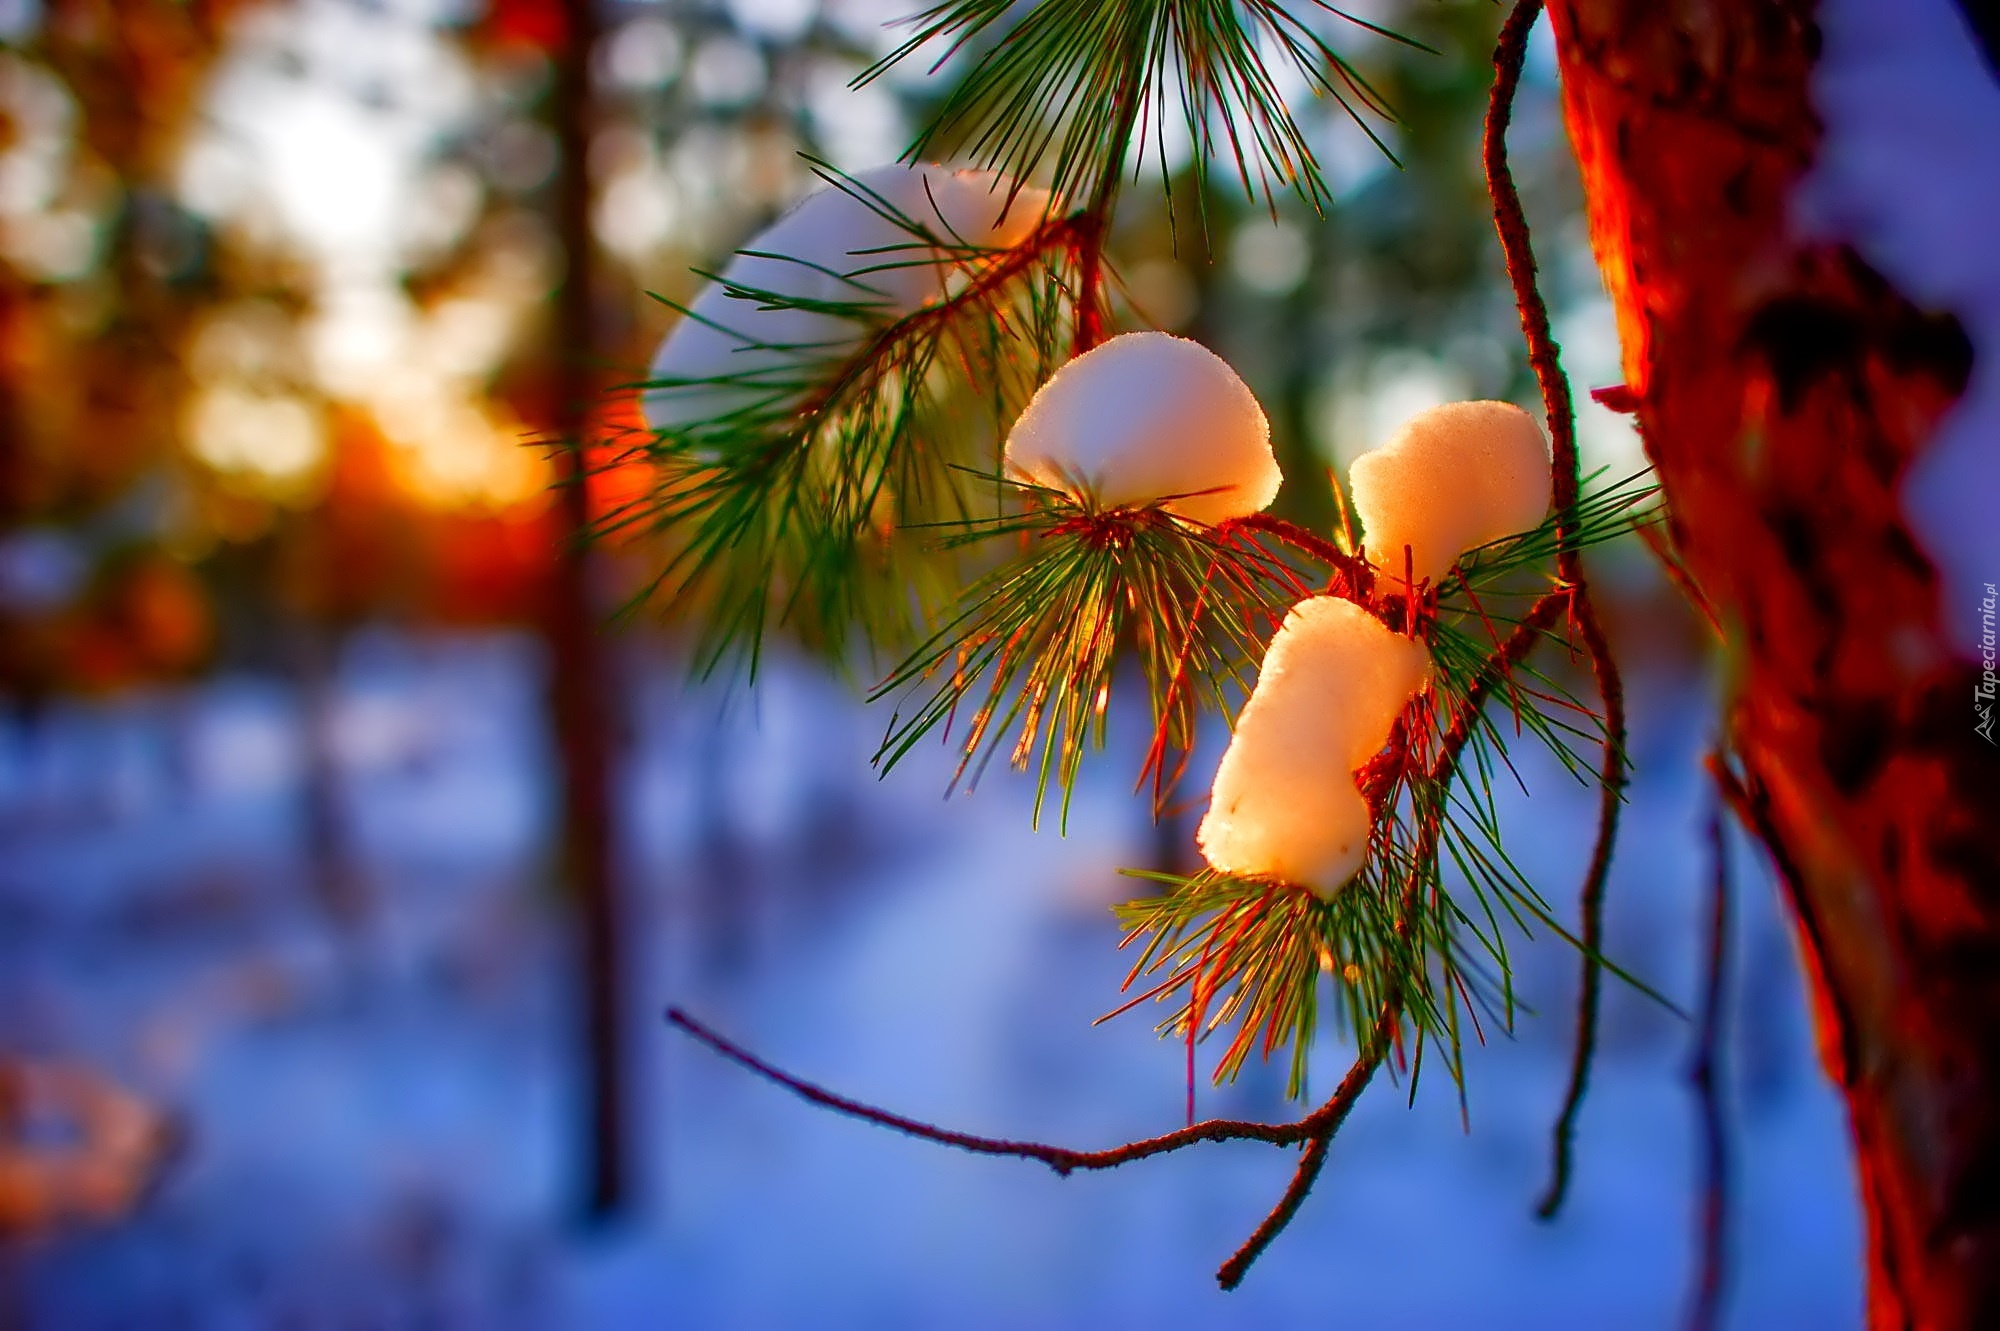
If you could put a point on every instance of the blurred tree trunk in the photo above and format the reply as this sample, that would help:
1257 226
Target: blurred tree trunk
1783 389
332 870
579 684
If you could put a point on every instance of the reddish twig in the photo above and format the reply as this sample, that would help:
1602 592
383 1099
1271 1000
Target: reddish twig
1511 222
1090 313
1311 1160
1610 799
1356 570
1062 1159
1840 1047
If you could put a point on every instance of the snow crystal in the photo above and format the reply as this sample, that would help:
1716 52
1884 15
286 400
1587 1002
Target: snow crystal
1146 417
844 245
1906 174
1285 802
1453 478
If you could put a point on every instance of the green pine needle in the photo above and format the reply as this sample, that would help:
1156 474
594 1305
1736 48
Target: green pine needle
1071 85
787 507
1031 647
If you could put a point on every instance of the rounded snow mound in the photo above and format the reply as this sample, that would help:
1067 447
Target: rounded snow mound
1146 418
1452 479
1285 802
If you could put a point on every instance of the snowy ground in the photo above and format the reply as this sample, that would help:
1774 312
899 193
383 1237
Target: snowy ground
378 1123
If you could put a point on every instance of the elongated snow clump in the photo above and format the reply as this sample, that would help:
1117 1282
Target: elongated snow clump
1453 478
1149 417
1285 803
851 244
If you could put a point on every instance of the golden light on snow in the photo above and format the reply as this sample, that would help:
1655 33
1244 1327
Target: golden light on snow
1149 417
1453 478
1285 803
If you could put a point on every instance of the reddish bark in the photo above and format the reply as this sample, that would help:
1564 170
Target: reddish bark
1783 389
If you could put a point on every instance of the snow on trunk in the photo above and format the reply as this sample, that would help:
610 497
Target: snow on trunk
887 239
1908 174
1452 479
1149 418
1285 803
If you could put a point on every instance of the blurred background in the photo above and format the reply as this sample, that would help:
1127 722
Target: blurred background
349 851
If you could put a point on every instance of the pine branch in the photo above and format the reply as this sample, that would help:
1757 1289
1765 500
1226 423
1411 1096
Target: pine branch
1069 84
1030 649
1321 1123
784 508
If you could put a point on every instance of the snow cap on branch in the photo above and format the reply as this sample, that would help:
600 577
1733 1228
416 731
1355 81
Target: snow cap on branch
854 243
1285 803
1452 479
1149 417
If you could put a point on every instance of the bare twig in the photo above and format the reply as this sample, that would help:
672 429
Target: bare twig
1311 1161
1358 572
1511 221
1706 1075
1839 1046
1063 1160
1611 777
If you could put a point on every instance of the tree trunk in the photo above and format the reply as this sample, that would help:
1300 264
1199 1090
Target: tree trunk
1783 389
578 684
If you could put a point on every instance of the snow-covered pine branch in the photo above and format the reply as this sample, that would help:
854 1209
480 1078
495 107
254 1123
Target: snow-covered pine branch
802 296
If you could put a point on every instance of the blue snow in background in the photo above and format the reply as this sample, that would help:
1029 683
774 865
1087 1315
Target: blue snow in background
378 1116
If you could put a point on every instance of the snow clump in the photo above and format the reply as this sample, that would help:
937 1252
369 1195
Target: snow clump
1285 802
1145 418
1452 479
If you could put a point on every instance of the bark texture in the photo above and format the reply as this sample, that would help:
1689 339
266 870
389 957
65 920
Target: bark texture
1783 389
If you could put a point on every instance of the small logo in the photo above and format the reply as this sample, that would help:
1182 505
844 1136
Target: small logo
1989 669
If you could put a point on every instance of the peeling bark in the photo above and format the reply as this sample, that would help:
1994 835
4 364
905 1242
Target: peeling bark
1783 389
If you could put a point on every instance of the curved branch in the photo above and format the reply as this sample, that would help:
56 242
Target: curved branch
1311 1161
1511 221
1062 1159
1358 572
1610 799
